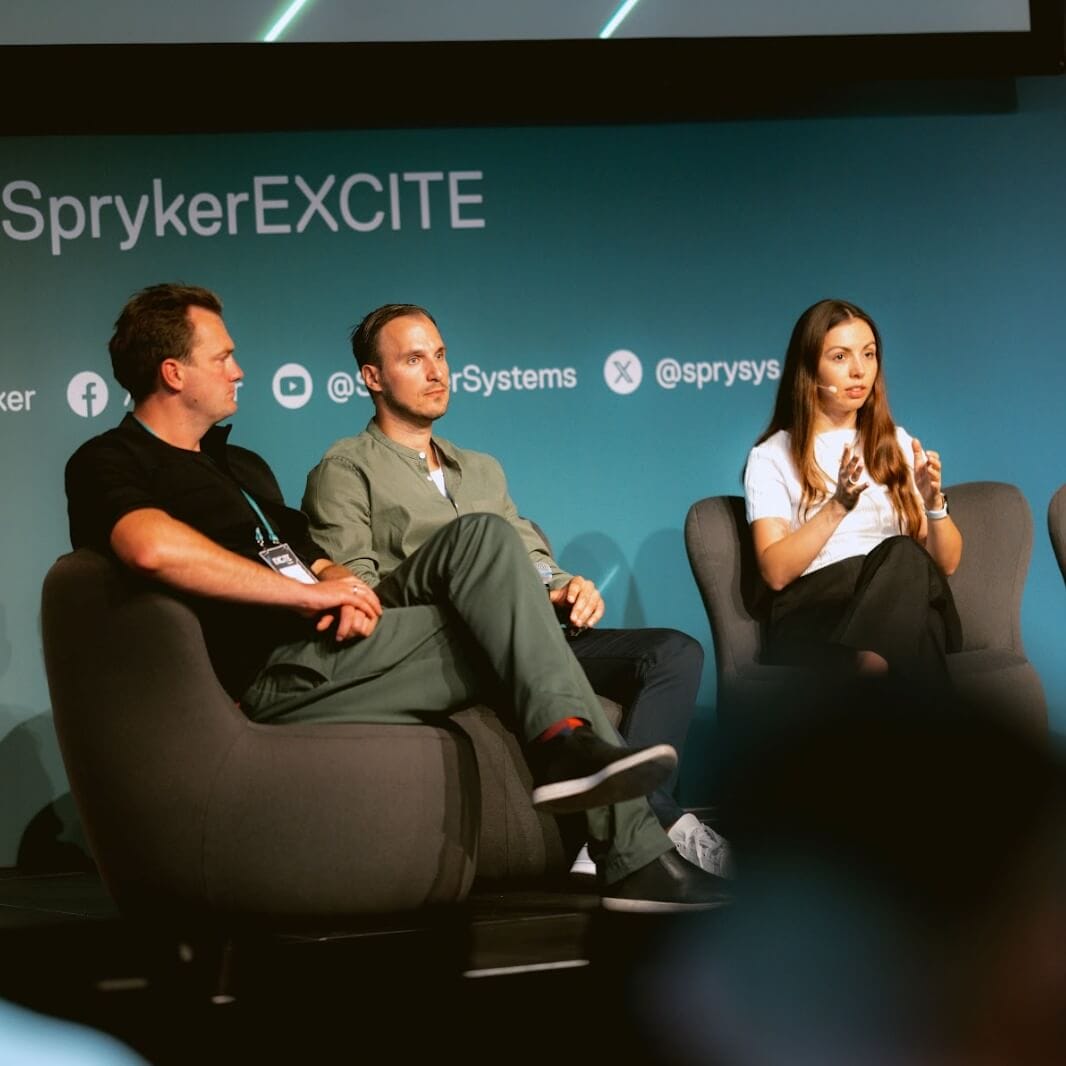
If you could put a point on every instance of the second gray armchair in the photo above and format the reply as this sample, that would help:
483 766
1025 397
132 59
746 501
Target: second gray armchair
992 667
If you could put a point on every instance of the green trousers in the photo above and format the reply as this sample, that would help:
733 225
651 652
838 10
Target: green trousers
466 620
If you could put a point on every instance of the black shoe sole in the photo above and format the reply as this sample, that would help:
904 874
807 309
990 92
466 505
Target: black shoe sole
624 779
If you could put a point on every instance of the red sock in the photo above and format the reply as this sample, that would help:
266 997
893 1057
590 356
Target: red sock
561 728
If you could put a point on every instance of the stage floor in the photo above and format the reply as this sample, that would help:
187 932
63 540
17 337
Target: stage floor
520 973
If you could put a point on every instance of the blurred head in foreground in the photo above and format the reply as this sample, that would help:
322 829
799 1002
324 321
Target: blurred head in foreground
900 898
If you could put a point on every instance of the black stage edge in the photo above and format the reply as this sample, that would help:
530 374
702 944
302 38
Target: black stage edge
519 974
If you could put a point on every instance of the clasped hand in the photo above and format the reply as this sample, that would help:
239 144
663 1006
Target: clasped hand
341 600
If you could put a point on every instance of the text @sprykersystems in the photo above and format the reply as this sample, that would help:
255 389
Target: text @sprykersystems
342 386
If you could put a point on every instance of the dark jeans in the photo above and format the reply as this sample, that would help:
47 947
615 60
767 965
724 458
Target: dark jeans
894 601
654 674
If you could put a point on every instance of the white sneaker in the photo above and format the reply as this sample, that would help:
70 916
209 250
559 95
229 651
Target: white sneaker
583 865
701 845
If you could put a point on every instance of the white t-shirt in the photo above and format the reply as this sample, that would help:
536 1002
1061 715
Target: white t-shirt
772 490
437 477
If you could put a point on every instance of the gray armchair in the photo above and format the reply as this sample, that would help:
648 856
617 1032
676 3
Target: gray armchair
1056 524
187 804
997 529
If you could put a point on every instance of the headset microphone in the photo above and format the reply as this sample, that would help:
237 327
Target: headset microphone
828 388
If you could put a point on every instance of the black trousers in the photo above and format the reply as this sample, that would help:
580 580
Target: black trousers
894 601
654 674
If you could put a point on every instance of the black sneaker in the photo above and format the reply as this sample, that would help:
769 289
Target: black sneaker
667 885
579 770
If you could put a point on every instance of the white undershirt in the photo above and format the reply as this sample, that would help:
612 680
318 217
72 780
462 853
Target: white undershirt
437 477
772 489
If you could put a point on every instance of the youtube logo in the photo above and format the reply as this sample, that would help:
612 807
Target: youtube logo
292 386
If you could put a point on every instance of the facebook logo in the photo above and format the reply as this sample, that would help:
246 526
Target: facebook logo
87 394
292 385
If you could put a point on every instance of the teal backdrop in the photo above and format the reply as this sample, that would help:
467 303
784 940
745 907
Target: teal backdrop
616 302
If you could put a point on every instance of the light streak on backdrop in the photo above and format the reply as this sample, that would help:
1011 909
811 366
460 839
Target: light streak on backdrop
279 27
617 18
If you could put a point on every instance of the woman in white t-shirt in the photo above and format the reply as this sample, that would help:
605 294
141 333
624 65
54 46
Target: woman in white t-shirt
851 528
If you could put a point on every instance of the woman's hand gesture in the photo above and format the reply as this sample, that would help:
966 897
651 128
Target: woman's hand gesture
928 475
849 488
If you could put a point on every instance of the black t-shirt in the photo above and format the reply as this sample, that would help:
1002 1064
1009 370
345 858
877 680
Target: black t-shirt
127 468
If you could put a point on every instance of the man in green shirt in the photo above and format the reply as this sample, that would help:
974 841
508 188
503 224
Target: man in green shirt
377 499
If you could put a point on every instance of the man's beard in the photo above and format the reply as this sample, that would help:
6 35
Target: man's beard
412 414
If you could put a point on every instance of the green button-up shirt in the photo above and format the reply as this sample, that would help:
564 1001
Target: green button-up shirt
372 502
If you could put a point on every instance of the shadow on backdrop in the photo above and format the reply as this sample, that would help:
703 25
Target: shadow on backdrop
600 559
48 830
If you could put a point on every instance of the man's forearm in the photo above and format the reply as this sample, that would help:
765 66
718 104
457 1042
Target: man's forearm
337 503
153 543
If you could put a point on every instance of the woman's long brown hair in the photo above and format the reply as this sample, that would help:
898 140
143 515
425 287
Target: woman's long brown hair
797 403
